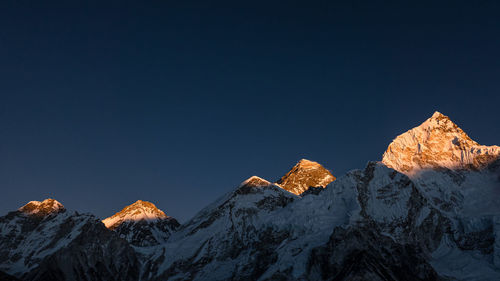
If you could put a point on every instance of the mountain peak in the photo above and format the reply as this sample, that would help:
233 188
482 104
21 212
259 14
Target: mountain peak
304 175
440 123
255 181
138 211
37 208
438 115
304 163
437 142
141 203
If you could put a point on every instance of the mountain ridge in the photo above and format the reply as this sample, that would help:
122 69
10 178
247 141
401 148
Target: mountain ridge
62 245
430 215
43 208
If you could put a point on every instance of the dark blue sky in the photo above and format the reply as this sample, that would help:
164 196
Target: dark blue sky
176 103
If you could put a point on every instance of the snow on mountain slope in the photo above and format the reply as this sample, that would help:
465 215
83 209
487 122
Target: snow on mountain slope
437 143
378 224
25 233
376 200
142 224
305 175
239 237
375 223
461 179
458 176
431 214
213 243
470 201
44 241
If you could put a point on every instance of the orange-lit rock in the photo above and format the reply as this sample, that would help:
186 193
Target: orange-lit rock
304 175
438 142
37 208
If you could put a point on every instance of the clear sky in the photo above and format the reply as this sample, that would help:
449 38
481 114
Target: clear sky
177 102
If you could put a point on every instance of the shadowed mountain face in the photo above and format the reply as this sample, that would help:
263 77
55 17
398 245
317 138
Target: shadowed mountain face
44 241
218 242
429 211
363 254
305 175
6 277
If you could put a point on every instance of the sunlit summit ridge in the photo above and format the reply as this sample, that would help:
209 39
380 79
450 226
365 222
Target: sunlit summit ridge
437 142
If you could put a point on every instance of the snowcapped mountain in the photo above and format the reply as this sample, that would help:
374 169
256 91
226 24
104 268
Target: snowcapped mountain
142 224
361 227
44 241
214 244
41 209
430 210
437 143
370 224
240 238
305 175
461 180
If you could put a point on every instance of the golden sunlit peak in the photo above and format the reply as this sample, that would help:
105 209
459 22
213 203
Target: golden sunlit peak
437 143
255 181
138 211
143 203
440 121
307 163
304 175
43 208
438 114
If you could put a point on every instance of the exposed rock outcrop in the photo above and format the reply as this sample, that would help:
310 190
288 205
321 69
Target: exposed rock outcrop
305 175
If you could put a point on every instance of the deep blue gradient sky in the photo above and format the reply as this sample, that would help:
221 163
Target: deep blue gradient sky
177 103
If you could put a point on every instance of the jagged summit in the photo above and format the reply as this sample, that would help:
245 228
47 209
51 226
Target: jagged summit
304 175
138 211
37 208
438 142
441 123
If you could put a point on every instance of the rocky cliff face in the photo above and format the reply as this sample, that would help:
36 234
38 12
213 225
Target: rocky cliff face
360 253
305 175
